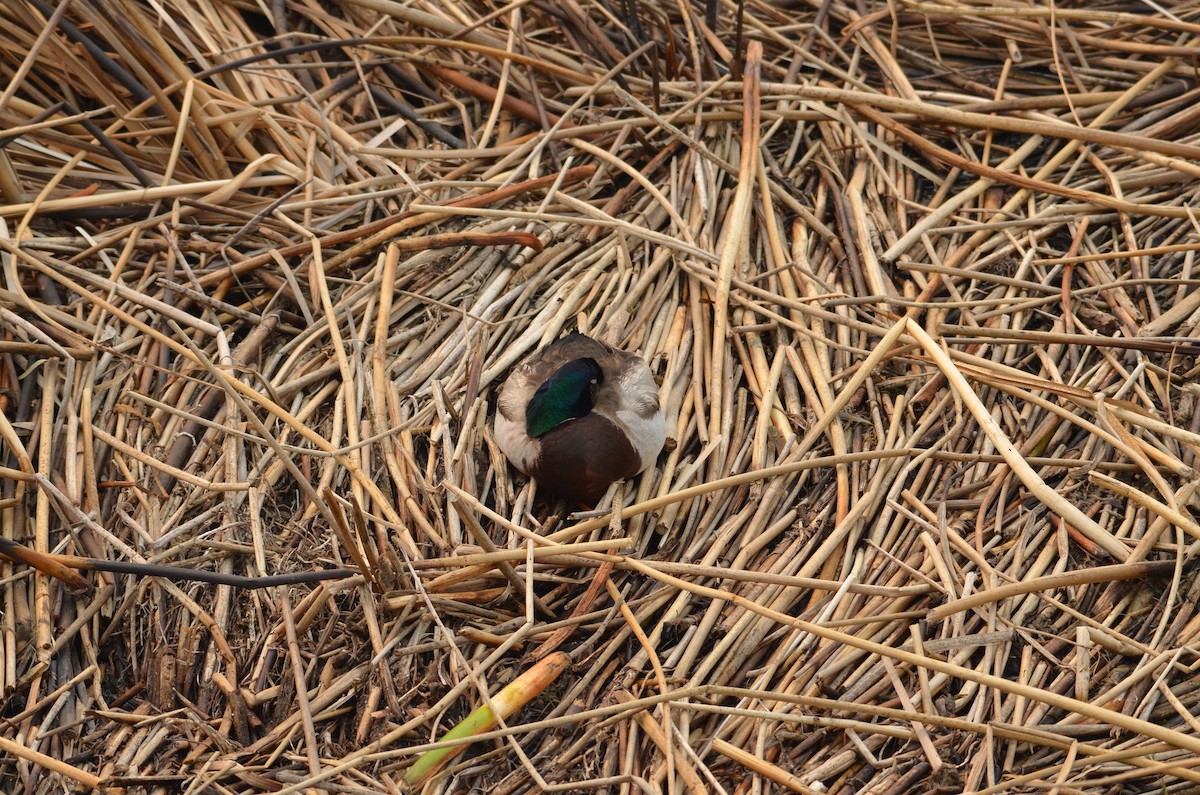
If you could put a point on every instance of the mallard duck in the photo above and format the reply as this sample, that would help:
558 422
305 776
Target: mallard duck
579 416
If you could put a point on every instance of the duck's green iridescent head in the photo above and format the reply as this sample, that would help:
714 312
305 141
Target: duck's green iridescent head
567 395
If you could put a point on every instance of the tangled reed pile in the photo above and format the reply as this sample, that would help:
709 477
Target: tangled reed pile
918 281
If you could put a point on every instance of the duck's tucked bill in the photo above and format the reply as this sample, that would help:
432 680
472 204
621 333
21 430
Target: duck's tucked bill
578 416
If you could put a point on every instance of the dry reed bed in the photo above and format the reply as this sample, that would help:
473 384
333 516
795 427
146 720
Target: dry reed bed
919 288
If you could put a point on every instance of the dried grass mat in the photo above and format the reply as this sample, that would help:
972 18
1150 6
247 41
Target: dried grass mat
918 282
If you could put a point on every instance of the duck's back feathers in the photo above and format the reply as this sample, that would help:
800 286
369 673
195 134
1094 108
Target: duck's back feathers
537 368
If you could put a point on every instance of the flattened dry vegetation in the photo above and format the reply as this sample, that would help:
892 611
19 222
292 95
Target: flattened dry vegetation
917 281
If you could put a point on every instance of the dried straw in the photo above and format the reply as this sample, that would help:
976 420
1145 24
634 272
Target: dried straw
917 280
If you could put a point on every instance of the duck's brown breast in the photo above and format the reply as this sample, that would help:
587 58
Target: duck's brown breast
580 459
